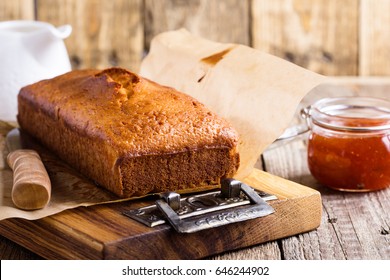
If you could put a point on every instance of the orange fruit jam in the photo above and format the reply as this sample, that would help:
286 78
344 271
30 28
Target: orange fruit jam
354 163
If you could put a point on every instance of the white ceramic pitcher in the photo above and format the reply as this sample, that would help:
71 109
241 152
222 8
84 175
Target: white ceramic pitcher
29 52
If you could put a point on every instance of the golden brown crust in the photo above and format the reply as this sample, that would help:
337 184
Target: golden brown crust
127 133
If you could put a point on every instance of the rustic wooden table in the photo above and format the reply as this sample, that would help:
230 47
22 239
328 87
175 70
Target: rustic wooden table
354 225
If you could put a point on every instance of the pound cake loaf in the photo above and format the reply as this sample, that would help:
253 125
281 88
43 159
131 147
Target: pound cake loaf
130 135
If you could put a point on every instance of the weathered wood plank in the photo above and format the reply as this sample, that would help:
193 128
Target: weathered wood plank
358 220
319 35
105 33
267 251
223 21
16 9
374 38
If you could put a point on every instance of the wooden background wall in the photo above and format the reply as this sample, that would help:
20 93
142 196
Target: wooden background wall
332 37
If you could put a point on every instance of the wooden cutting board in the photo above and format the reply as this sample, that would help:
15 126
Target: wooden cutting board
103 232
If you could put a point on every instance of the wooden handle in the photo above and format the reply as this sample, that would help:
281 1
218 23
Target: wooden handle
31 187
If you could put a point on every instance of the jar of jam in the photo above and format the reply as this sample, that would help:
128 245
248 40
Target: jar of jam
349 143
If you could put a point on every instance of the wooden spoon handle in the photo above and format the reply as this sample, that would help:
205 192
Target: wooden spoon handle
31 186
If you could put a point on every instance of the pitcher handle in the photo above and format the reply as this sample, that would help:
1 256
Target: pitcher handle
62 32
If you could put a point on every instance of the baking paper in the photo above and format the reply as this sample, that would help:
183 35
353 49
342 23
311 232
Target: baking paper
258 93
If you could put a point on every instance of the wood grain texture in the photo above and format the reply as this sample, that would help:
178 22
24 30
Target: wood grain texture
374 38
224 21
105 33
102 232
319 35
12 251
267 251
16 10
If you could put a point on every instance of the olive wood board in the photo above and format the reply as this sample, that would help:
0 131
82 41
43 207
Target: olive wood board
103 232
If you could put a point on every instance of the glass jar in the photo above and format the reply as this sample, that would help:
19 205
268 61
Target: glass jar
349 143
